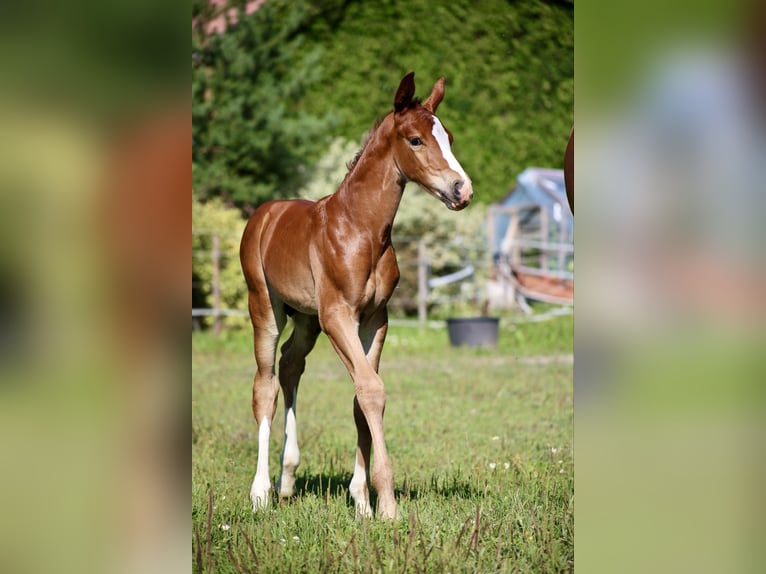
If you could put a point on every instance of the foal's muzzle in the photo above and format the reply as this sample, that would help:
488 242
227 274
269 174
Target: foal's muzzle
459 196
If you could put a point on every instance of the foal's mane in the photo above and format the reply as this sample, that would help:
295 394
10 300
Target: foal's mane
367 137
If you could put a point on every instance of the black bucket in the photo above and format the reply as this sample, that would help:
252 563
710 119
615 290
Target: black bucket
473 331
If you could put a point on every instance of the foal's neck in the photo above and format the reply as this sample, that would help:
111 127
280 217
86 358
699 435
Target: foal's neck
373 188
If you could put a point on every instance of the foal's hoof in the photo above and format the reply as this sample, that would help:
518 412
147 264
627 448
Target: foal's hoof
388 512
261 497
362 511
260 502
285 488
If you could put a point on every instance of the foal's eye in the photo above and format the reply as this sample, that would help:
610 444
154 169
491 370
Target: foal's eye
415 141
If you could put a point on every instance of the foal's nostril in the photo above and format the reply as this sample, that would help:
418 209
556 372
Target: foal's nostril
457 186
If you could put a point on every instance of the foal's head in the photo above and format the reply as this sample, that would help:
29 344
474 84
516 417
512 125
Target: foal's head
422 146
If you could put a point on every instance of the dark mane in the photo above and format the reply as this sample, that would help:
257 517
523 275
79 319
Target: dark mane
367 137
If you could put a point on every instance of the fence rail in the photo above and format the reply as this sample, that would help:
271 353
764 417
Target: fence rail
218 313
426 282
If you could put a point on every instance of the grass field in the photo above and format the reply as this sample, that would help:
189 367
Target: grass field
480 440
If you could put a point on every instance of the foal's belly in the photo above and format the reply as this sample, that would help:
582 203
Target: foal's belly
288 275
296 289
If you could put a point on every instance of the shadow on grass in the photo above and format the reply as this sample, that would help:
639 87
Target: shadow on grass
454 487
327 485
335 484
323 485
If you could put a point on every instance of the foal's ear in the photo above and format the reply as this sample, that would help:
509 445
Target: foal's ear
436 96
405 93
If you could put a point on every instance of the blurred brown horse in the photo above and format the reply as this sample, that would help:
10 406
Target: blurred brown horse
331 266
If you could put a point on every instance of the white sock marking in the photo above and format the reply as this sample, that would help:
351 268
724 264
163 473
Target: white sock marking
359 491
259 491
290 455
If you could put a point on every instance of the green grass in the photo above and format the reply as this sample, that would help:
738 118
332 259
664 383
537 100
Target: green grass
470 432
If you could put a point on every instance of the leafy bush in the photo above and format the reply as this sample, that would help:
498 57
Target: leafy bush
330 170
211 218
453 241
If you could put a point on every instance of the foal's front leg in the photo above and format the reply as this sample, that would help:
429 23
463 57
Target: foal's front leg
343 331
358 487
372 336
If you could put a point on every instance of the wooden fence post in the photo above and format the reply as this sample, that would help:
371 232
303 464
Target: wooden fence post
562 238
216 287
544 231
422 282
514 232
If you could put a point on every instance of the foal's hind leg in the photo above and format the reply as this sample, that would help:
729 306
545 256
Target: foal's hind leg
291 366
358 487
268 322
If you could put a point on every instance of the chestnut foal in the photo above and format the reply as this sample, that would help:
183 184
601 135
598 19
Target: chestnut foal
331 266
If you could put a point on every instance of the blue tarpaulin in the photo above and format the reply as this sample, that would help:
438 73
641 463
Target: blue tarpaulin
536 187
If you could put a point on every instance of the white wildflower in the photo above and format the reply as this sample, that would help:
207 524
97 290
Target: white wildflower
495 437
492 465
225 526
506 465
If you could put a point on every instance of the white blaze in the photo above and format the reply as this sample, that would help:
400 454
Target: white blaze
440 134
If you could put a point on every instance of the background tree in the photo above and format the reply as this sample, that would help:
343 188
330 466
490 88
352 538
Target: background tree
253 140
